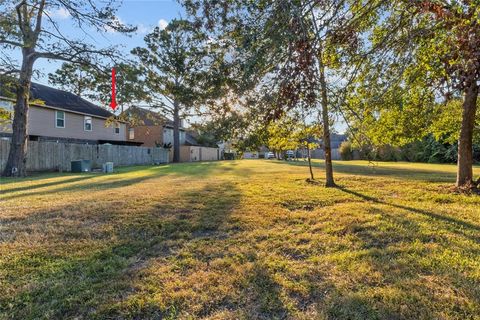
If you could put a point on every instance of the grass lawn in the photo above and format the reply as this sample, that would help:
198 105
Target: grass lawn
240 240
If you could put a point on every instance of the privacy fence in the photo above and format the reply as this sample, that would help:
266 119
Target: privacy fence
320 154
195 153
53 156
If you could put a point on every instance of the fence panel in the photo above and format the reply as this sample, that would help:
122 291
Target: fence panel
52 156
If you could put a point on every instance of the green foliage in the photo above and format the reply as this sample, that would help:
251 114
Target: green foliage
225 126
428 150
281 135
94 84
173 62
76 79
346 150
448 119
288 133
252 139
423 63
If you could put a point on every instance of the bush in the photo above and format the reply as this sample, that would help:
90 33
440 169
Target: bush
427 150
346 151
387 153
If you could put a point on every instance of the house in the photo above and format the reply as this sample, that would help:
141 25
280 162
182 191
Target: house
56 115
150 128
335 142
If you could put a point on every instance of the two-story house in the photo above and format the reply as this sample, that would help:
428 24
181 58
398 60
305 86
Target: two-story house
151 128
56 115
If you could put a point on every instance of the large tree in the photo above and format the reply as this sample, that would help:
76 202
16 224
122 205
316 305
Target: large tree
429 58
95 84
292 53
77 79
174 61
27 27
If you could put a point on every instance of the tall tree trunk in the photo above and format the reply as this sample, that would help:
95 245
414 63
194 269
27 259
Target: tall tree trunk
16 163
329 181
465 142
310 162
176 132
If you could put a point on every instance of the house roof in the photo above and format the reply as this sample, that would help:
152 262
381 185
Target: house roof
65 100
149 117
190 140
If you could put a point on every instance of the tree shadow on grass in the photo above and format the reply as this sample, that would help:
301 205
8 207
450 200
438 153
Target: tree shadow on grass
112 181
452 224
56 283
263 295
404 266
74 185
48 184
399 173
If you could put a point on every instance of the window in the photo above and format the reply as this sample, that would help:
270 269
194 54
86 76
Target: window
59 119
117 128
131 133
87 123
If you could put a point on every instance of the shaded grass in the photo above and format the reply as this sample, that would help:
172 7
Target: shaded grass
244 239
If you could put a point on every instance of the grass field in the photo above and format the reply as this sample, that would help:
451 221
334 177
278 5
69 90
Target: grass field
244 239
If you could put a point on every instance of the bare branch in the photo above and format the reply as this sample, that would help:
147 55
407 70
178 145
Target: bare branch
10 43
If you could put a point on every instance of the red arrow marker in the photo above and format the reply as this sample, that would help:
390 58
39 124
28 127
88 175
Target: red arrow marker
113 104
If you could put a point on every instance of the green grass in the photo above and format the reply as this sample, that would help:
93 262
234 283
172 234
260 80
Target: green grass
240 240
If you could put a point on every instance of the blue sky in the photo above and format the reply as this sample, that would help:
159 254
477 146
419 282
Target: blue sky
145 14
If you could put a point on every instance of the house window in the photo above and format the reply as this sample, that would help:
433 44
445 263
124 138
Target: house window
59 119
117 128
87 123
131 133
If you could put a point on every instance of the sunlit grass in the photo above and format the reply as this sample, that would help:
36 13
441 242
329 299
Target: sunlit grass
241 239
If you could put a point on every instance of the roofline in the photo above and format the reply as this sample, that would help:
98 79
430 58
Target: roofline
57 108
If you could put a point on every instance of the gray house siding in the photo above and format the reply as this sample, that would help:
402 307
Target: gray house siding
41 122
168 136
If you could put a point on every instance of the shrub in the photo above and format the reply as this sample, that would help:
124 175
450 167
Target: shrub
346 151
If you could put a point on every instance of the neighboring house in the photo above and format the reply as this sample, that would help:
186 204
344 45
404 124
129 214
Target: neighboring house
335 142
56 115
151 128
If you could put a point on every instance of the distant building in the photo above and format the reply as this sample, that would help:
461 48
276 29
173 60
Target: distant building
335 142
151 128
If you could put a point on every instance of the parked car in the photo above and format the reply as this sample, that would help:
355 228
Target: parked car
290 154
270 155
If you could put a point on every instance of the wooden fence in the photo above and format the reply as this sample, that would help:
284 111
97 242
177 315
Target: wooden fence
53 156
319 154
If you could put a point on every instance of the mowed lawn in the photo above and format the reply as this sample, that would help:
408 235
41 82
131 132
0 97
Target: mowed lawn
246 239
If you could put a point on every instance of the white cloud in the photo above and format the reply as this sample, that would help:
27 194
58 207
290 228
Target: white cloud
162 24
143 29
60 13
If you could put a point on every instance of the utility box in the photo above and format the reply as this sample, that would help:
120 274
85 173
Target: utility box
107 167
81 166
